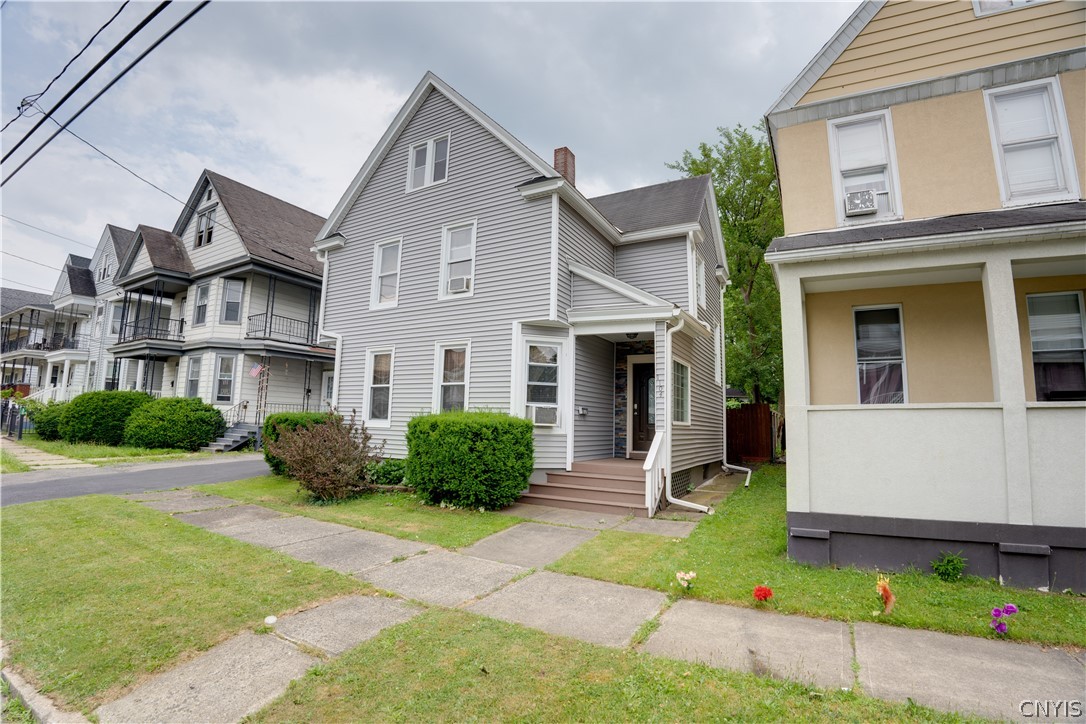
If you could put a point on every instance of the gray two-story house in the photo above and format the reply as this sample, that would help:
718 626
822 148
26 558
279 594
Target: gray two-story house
462 271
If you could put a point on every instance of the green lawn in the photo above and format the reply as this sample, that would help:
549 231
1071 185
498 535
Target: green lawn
11 464
107 454
397 514
744 545
100 591
13 710
453 666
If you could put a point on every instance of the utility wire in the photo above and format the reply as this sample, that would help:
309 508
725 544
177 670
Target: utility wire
30 100
46 231
116 48
47 266
32 286
100 93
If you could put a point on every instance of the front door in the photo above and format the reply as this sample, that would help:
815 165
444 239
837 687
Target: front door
643 394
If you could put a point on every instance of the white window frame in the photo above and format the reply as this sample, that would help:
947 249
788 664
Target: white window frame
226 283
204 234
115 318
519 378
367 393
1081 318
699 279
892 179
218 376
677 360
198 361
904 362
1068 168
204 289
429 143
1015 5
446 237
439 370
375 277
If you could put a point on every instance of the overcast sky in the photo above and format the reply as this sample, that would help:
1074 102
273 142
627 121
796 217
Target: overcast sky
291 97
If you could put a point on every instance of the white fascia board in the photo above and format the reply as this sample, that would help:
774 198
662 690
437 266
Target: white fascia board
617 286
190 205
576 199
588 329
1065 230
660 232
621 314
428 83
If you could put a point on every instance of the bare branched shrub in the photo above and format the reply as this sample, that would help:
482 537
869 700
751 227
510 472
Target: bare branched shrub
331 460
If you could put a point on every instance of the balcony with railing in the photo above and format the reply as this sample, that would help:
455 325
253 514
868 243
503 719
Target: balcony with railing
50 344
170 330
284 329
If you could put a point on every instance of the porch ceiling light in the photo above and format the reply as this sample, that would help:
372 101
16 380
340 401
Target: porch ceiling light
631 335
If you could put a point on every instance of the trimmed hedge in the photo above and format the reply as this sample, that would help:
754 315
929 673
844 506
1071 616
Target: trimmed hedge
389 472
184 423
469 459
47 420
100 417
286 420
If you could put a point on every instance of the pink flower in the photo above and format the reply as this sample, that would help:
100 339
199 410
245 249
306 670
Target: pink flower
1009 609
997 612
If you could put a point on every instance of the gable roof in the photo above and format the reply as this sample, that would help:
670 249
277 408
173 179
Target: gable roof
826 57
164 249
12 300
651 207
428 84
80 276
121 238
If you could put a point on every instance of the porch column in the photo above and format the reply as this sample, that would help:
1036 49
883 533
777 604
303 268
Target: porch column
1009 388
139 374
796 396
64 378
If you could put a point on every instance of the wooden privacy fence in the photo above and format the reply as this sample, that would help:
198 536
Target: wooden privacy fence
750 433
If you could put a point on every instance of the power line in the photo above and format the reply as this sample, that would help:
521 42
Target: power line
30 100
100 93
32 286
47 266
142 24
46 231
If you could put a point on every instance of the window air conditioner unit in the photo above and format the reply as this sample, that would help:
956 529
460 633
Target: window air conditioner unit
458 285
543 416
860 203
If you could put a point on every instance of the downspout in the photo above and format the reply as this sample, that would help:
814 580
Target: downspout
322 256
724 398
671 499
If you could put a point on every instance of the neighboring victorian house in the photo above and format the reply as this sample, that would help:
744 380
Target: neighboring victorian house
931 161
224 306
26 322
464 272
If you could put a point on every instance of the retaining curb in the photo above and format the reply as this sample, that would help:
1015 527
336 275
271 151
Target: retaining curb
41 706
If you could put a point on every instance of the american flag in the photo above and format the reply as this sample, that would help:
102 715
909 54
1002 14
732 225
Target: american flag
255 370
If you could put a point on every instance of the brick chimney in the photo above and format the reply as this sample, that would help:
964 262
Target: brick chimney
566 164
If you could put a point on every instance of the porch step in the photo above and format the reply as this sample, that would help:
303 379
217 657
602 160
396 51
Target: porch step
557 501
609 485
597 480
617 468
595 494
233 438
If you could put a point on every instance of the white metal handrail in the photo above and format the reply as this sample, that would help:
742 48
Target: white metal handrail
654 473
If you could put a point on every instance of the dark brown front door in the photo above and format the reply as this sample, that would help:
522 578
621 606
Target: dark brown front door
643 394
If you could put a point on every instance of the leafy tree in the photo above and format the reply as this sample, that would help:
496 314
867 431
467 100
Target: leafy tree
749 202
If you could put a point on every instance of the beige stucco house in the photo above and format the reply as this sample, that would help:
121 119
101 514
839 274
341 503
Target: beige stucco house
931 161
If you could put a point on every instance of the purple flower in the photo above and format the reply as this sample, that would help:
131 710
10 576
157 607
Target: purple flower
1001 627
997 613
1009 609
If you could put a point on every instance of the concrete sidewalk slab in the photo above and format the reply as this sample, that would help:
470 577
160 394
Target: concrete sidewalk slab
219 518
352 551
963 673
768 644
228 682
187 505
278 532
158 495
578 518
654 526
340 625
592 611
531 545
442 578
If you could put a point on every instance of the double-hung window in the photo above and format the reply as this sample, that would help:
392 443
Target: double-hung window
224 379
205 226
864 173
542 392
699 279
192 387
452 377
1031 143
386 274
379 387
1057 336
115 321
199 312
458 260
428 162
231 300
680 392
880 355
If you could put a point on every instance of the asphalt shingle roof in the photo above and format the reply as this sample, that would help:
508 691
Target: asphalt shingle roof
165 249
650 207
12 299
122 239
80 276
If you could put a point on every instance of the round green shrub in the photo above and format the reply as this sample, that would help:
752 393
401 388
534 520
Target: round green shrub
285 421
184 423
469 459
389 472
47 420
100 417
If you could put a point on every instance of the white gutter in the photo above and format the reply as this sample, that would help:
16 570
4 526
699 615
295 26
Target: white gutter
322 248
671 499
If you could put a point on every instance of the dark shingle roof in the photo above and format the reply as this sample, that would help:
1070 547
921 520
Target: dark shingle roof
650 207
984 221
80 276
270 228
165 249
12 299
122 239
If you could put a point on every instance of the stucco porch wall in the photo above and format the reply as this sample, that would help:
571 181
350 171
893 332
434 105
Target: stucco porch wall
1057 463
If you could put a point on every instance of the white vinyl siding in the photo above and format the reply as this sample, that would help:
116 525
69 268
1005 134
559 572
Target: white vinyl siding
233 291
386 274
1031 143
863 159
451 375
379 387
428 163
458 260
880 355
659 267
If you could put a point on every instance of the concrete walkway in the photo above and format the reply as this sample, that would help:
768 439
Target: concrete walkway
497 577
38 460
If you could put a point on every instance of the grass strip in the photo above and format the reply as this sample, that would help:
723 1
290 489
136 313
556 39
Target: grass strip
11 464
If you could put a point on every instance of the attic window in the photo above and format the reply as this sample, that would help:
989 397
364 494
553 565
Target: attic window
428 163
208 196
205 226
988 7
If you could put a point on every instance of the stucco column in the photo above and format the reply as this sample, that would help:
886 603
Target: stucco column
794 337
64 377
139 374
1008 382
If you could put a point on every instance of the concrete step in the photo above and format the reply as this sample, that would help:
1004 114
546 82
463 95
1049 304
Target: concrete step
633 498
596 480
558 501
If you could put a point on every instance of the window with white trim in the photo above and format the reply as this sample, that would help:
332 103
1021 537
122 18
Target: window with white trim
192 382
880 355
379 387
386 274
98 321
680 392
864 173
115 319
452 377
231 300
224 378
990 7
458 261
199 311
428 163
205 227
542 383
1031 143
699 278
1057 334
